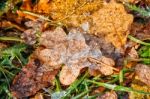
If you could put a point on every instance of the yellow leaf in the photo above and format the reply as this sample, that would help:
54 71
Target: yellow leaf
113 23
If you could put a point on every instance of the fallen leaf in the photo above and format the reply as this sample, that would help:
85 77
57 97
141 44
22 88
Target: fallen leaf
27 5
137 85
108 95
140 31
104 65
143 73
38 96
66 12
69 75
113 23
32 78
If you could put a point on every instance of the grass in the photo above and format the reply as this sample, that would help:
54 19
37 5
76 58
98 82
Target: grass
145 12
85 85
144 50
8 69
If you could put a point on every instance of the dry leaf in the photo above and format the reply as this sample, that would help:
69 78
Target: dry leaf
38 96
141 31
69 12
113 23
69 75
42 6
27 5
143 73
32 78
2 45
137 85
104 65
108 95
129 1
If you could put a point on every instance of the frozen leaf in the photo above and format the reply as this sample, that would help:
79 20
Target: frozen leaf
143 73
113 23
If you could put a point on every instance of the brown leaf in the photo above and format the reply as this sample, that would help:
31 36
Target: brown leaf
143 73
113 23
141 31
38 96
27 5
69 75
32 78
108 95
104 65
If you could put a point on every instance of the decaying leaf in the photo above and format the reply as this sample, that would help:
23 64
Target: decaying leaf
140 31
129 1
108 95
133 53
70 12
31 35
27 5
139 86
38 96
107 49
104 65
57 49
2 46
67 76
113 23
70 50
32 78
143 73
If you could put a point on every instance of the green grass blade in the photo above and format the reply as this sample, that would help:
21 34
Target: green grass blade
11 39
117 87
138 41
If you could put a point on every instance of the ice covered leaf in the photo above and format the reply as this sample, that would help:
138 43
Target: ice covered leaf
113 23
